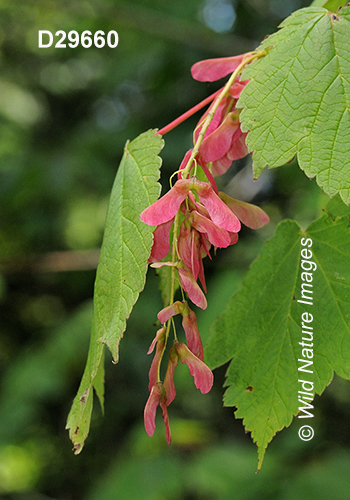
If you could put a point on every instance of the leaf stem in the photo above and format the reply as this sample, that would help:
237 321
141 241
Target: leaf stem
188 114
172 290
174 256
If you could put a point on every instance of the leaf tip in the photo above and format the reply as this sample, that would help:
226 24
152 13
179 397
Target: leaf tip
77 448
126 151
261 455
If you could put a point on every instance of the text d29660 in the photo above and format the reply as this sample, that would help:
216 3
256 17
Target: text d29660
87 39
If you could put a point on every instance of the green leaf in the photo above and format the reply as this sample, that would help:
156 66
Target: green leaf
260 329
331 5
78 422
298 99
121 271
336 208
127 240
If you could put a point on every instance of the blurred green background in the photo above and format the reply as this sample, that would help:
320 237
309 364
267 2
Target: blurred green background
65 115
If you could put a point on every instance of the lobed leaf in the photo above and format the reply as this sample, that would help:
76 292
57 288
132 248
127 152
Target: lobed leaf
121 271
298 99
260 329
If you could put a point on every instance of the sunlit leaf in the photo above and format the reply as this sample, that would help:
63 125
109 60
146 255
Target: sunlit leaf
331 5
297 100
121 271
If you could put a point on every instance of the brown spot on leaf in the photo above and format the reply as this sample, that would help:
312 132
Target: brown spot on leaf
83 396
249 388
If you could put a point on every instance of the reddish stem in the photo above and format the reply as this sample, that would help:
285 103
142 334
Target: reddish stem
209 176
188 113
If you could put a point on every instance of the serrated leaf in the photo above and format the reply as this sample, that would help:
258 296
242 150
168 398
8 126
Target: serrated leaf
298 99
127 240
261 326
121 271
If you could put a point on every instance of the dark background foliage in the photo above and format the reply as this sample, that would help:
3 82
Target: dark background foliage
65 115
